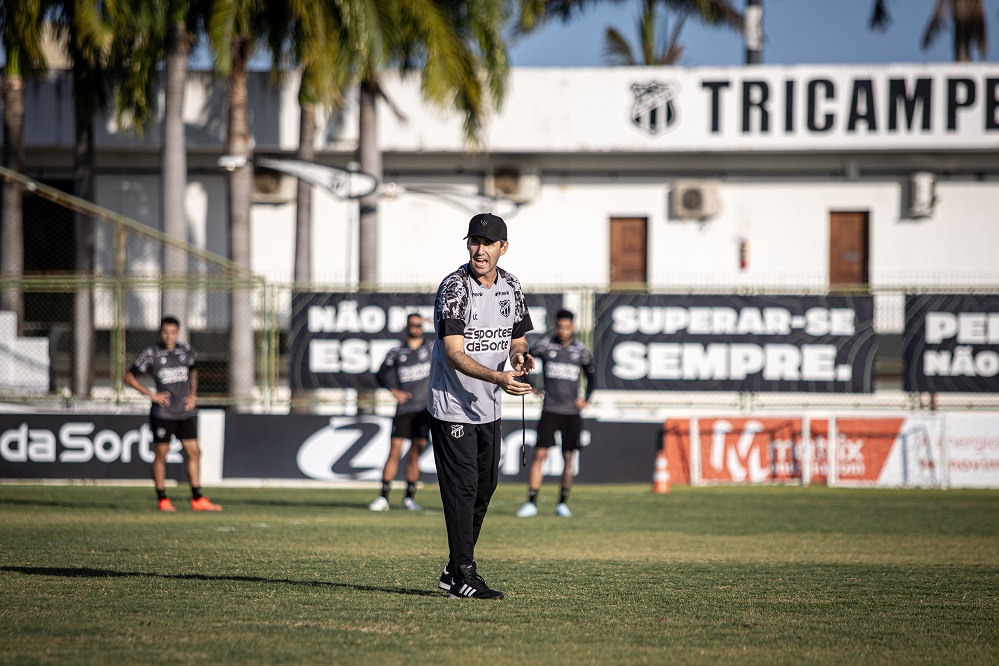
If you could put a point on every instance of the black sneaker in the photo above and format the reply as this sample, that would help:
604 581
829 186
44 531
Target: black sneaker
446 580
471 585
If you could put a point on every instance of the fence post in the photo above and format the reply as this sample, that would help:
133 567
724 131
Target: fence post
695 451
832 453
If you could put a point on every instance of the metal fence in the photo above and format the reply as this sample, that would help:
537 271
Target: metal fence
94 285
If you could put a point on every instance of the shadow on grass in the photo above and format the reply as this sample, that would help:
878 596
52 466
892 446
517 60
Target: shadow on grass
86 572
312 504
62 505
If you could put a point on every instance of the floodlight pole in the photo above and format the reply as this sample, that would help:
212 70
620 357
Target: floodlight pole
753 32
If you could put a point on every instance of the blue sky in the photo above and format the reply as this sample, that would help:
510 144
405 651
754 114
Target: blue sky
796 31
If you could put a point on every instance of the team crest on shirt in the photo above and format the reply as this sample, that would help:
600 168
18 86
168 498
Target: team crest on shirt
505 308
457 430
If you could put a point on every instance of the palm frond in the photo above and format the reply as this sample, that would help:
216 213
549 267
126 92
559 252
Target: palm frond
936 23
880 17
617 50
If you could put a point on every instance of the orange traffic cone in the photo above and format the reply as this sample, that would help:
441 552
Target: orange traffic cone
660 477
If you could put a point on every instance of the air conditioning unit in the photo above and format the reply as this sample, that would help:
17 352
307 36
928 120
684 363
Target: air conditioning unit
270 187
695 199
517 185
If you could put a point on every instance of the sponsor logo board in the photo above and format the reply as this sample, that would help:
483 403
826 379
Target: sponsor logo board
649 342
79 446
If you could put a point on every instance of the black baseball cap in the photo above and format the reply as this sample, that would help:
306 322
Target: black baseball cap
488 226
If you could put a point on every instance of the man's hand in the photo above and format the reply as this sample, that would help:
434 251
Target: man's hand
509 382
161 398
402 397
190 402
522 363
581 403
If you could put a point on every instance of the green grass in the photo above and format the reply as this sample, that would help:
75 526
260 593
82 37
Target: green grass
737 575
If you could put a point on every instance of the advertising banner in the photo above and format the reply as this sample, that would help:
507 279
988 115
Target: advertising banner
951 343
80 446
339 340
889 451
354 448
972 443
649 342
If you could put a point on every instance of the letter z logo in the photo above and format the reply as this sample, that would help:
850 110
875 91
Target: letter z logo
348 449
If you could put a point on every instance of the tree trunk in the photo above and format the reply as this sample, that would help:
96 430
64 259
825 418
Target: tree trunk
175 260
303 212
370 159
301 400
12 225
83 187
242 338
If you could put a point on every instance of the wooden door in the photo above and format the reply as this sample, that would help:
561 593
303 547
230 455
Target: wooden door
628 250
848 248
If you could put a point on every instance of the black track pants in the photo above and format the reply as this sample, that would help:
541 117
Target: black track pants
467 457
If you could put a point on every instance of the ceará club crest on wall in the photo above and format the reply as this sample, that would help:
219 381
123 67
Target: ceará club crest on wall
654 110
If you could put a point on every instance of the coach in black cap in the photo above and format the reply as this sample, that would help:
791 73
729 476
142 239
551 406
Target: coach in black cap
481 319
488 226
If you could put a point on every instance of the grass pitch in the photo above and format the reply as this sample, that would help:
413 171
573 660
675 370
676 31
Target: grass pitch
703 575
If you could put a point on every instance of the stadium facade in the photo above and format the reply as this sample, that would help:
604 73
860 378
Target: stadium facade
660 203
806 176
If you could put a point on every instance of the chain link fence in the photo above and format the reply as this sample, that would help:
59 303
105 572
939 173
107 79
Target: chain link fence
94 286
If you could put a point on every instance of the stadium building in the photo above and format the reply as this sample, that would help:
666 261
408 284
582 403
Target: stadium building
661 203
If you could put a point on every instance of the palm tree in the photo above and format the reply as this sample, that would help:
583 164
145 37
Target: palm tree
107 43
235 27
98 42
459 51
20 26
180 36
323 46
967 16
617 50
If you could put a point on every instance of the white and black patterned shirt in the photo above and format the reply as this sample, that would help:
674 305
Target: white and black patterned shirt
171 370
488 319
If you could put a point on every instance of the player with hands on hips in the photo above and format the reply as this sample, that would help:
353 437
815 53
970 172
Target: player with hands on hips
172 413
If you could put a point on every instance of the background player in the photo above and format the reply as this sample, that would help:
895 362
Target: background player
171 364
406 374
562 357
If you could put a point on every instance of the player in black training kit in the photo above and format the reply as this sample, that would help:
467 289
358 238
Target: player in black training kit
406 374
562 358
171 363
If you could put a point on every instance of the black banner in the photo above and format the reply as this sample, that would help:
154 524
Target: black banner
354 448
80 446
339 340
735 343
951 343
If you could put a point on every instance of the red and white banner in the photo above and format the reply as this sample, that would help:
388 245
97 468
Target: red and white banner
903 450
972 444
